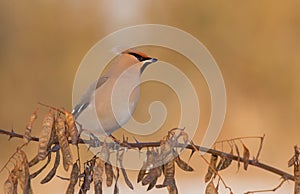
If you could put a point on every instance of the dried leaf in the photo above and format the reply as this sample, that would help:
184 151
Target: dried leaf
246 156
73 179
182 164
212 167
52 172
210 188
32 119
63 142
45 135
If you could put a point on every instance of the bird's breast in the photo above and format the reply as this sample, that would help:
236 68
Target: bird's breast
115 103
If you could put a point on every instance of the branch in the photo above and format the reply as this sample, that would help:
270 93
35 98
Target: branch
140 145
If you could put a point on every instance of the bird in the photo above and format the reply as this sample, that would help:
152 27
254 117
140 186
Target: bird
109 102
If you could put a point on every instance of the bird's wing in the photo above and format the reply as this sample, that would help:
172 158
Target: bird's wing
86 98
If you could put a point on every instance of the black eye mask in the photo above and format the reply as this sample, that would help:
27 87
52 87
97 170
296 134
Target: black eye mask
139 57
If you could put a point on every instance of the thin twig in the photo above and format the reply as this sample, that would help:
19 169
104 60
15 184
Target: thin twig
267 190
260 146
238 138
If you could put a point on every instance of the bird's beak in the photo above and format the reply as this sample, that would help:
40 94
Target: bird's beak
153 60
147 62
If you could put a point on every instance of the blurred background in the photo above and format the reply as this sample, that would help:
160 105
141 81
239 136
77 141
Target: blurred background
256 45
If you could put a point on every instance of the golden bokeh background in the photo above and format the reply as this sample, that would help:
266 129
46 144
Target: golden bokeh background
256 45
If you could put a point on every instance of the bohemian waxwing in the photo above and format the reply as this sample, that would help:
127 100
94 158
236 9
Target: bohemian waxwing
110 101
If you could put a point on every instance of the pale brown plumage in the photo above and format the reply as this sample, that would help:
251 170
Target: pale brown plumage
110 101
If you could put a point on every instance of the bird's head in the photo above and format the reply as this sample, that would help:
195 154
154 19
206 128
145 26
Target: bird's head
131 58
140 58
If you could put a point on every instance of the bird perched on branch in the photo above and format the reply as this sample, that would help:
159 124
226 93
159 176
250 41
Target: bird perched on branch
110 101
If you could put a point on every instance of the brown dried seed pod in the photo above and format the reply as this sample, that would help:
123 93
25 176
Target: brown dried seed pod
73 179
98 172
11 184
109 174
98 187
172 188
151 176
8 186
169 172
155 170
152 184
224 162
127 181
246 156
23 173
52 172
292 161
63 142
142 172
71 127
210 188
166 152
98 169
185 139
33 175
34 161
88 178
182 164
238 154
105 152
116 188
32 119
211 168
45 135
157 173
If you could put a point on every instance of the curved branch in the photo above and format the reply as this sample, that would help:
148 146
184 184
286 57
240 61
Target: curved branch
140 145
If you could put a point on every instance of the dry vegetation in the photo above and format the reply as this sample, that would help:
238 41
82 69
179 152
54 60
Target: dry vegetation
59 134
